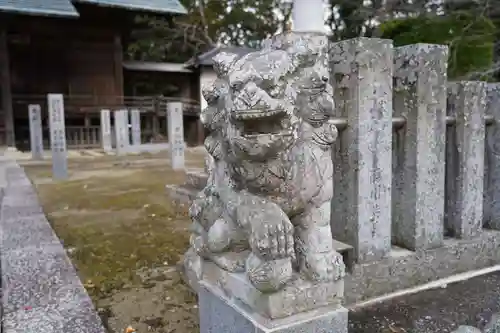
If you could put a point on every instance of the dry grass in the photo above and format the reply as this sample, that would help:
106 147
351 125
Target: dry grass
120 228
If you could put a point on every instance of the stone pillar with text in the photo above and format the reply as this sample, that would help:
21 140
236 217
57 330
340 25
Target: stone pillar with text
57 127
362 210
36 136
261 242
176 143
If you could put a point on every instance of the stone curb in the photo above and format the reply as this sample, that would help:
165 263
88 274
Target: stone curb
41 291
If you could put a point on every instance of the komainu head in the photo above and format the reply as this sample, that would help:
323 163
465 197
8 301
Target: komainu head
261 101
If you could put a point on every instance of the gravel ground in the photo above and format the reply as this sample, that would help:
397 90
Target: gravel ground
470 302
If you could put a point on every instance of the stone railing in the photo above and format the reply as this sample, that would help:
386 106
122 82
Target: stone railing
41 290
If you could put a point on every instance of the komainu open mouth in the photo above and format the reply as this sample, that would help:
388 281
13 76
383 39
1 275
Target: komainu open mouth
258 123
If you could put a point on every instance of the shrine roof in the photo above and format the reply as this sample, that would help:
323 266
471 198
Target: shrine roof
65 8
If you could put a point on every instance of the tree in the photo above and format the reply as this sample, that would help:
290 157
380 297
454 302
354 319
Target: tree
207 24
469 37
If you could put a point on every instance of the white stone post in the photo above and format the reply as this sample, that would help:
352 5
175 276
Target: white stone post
106 130
121 132
135 121
176 134
308 16
36 137
58 136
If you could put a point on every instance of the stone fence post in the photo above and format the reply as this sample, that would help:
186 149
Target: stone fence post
361 207
492 160
465 159
418 192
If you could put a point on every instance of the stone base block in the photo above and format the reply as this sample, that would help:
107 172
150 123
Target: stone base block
218 314
297 297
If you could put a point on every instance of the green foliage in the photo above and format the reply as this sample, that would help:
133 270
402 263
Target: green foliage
208 23
470 38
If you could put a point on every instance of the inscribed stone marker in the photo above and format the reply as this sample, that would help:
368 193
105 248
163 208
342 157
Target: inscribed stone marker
55 103
420 97
36 136
176 135
135 119
361 207
106 130
465 159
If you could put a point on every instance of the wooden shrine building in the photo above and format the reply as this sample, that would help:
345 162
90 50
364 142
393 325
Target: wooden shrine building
72 47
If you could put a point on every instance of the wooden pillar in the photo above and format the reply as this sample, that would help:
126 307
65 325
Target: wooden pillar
6 94
118 56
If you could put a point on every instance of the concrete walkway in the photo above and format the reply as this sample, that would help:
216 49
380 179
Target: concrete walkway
41 292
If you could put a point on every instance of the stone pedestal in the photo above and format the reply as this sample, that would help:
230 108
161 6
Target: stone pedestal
230 303
220 314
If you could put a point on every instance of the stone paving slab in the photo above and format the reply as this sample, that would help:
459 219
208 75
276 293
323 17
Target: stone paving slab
17 232
41 291
471 302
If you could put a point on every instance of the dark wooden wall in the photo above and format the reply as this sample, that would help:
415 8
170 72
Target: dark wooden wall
81 58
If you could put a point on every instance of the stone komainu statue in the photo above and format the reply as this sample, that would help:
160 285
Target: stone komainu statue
265 210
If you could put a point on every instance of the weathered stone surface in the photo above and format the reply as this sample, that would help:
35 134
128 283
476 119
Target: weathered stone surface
405 269
465 159
41 291
38 276
298 296
218 314
262 223
17 232
418 188
361 207
57 127
36 137
71 317
492 160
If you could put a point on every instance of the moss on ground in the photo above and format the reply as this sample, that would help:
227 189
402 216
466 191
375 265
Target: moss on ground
115 222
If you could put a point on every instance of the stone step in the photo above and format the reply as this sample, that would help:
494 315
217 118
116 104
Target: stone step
196 178
181 194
